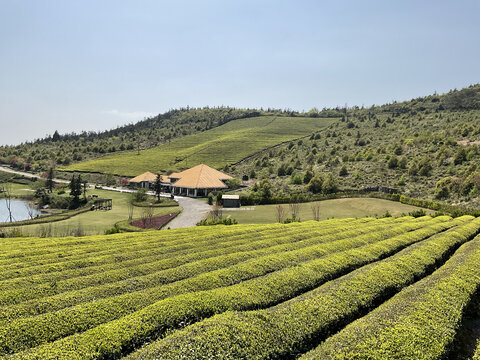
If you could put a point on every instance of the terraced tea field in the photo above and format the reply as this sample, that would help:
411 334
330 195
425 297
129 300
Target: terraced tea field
392 288
217 147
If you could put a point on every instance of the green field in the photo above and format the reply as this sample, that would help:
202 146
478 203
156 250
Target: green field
217 147
336 289
336 208
92 222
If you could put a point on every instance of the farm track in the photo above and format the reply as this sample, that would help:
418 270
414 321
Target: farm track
234 290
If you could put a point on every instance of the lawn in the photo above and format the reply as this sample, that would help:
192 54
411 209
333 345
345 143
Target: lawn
94 222
226 144
337 208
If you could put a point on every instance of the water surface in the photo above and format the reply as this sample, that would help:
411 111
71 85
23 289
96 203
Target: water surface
20 210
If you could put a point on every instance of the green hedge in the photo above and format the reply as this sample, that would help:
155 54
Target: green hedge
43 287
296 325
82 317
112 339
141 274
418 323
130 246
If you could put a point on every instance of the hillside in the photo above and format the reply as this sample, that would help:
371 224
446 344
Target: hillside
427 147
63 149
217 147
246 291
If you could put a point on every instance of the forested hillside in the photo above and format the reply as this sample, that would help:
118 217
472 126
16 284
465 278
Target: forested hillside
425 147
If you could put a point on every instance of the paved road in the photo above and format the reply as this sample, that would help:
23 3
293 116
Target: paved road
30 175
193 211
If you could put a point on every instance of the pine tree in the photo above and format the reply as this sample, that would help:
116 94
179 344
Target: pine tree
75 189
158 186
49 183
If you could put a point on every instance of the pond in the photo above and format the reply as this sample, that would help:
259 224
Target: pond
20 210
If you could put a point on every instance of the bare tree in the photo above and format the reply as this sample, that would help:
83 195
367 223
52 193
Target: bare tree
30 211
281 213
316 211
295 209
150 211
7 192
147 214
216 212
130 207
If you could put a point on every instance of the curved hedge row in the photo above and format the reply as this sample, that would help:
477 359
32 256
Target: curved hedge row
157 273
149 251
418 323
84 316
112 339
294 326
50 286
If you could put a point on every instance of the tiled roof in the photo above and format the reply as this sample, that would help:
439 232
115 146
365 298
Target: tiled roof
200 177
148 176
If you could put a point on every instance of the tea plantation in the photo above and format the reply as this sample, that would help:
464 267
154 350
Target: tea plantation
217 147
391 288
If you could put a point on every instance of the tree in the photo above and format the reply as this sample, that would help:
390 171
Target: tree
130 207
158 186
442 189
343 171
307 176
280 213
7 192
315 206
424 167
393 162
295 210
85 186
315 184
146 216
329 185
49 184
219 198
75 189
56 136
460 156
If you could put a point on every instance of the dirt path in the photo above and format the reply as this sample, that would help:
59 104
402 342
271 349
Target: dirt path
193 211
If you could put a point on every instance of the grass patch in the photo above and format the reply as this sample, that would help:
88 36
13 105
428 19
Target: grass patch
336 208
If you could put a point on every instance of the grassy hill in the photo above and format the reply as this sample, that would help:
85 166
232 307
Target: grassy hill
64 149
350 289
217 147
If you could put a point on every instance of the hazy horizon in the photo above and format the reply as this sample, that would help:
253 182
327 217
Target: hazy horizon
92 66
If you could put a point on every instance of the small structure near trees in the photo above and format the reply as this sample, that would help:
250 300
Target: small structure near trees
231 201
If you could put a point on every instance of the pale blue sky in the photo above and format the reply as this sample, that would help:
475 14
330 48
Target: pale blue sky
91 65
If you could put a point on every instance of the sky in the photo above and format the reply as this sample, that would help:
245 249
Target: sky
95 64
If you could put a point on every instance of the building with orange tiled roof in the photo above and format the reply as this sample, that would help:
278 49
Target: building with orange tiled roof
147 179
198 181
